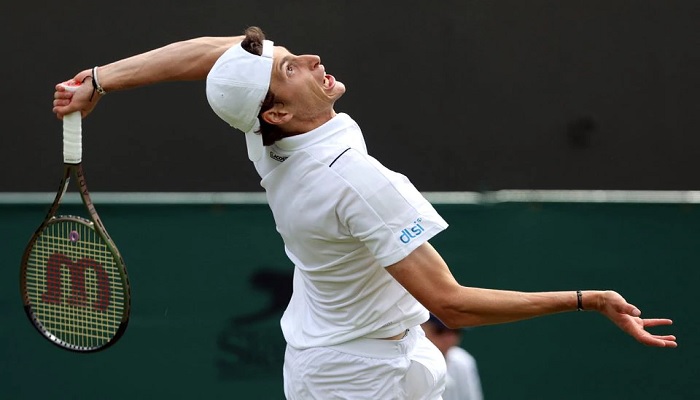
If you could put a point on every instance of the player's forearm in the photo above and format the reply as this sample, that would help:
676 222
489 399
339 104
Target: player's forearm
426 276
181 61
475 306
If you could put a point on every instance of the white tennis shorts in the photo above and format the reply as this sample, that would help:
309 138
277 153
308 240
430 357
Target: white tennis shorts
409 368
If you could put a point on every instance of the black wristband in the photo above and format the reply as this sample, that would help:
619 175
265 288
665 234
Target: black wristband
579 301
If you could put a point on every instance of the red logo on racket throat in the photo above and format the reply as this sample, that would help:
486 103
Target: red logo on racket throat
78 295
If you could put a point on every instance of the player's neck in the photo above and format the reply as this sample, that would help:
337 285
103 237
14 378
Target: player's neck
301 126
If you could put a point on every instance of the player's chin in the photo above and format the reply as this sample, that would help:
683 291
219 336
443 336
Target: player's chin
336 92
339 87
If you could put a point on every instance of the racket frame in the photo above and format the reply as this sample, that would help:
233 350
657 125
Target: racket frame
75 169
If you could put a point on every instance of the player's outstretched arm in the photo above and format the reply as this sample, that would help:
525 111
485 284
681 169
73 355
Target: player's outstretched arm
180 61
426 276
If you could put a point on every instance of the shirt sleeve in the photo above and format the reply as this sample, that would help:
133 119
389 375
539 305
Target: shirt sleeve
384 210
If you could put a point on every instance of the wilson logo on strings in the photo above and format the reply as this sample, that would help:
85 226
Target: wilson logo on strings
76 270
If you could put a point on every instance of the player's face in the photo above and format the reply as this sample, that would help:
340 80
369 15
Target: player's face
302 85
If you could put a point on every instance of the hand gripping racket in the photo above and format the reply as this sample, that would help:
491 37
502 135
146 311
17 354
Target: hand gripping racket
72 278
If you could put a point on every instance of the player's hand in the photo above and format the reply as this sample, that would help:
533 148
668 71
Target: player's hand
627 317
83 100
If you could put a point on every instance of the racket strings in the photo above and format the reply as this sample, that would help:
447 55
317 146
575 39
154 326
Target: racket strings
74 285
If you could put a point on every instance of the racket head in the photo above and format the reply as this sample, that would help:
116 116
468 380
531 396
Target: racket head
74 285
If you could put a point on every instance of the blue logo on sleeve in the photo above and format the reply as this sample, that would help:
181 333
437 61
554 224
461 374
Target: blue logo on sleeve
412 232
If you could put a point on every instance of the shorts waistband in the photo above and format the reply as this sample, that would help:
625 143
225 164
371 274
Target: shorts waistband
378 348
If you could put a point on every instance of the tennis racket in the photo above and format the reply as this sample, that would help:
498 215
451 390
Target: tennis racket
72 279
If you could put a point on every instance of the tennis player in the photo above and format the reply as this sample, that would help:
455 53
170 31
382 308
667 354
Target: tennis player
358 233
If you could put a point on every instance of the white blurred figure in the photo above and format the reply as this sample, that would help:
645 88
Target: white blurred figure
463 381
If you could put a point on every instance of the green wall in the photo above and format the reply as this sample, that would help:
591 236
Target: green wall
209 283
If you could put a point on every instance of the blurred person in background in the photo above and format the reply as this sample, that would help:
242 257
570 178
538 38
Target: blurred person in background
462 381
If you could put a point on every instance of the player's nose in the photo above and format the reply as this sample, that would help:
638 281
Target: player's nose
311 60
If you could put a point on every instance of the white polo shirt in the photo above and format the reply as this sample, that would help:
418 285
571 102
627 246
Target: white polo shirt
344 217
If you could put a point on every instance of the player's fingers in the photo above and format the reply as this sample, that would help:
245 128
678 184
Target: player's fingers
667 342
58 108
632 310
656 322
669 338
658 341
62 95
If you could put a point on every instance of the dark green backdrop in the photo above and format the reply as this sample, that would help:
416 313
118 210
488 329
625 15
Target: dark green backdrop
209 283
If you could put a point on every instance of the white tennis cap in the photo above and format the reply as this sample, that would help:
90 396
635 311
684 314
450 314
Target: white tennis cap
236 87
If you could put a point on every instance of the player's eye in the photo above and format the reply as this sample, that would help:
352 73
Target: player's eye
290 69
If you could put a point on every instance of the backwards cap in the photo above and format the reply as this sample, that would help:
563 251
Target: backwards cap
236 87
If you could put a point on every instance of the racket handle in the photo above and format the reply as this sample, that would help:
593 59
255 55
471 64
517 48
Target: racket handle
72 131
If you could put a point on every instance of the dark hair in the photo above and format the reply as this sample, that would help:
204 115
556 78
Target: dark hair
253 43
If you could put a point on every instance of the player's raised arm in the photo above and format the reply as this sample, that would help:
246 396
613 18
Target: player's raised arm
180 61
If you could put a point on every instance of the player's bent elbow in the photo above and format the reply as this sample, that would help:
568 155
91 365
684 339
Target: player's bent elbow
454 315
457 320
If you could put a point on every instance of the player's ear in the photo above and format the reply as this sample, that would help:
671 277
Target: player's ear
277 115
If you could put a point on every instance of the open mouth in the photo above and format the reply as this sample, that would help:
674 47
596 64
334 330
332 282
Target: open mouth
328 81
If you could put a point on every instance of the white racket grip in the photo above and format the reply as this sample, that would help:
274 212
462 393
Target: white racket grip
72 132
72 138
